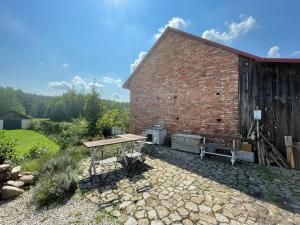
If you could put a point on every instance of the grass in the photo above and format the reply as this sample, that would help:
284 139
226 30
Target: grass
105 215
26 139
267 174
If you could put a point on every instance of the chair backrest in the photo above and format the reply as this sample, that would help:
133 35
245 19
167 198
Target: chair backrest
138 145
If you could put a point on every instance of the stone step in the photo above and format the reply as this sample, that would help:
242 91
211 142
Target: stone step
18 183
27 179
8 192
15 172
4 167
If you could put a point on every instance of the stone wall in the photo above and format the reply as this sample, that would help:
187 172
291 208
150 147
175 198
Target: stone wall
187 85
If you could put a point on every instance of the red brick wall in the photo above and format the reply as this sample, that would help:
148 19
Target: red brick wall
178 85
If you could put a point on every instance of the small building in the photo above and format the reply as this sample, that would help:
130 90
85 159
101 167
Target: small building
198 86
12 120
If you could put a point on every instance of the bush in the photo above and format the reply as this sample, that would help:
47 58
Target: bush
72 134
54 189
37 151
7 148
34 124
114 118
57 178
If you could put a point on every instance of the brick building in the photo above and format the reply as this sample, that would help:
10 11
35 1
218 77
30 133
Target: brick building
198 86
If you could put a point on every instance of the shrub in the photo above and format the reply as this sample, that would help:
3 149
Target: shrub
72 134
114 118
57 178
34 124
37 151
7 147
56 188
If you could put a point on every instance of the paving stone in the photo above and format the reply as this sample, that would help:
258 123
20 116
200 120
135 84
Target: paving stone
157 222
183 212
143 221
162 212
191 206
175 217
125 205
204 209
217 208
167 221
131 221
146 195
152 214
187 222
198 199
221 218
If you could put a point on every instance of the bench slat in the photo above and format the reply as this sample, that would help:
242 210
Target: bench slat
219 147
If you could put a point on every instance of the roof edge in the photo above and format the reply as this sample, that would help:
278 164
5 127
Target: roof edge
212 43
6 112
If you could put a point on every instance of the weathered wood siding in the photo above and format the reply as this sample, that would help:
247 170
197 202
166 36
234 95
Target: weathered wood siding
275 89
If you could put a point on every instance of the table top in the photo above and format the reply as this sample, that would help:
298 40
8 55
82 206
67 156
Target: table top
123 138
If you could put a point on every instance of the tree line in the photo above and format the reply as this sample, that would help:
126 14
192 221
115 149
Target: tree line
65 107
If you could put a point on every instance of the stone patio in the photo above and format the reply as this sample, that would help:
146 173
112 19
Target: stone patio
178 188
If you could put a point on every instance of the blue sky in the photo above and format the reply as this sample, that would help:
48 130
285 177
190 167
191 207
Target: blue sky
48 46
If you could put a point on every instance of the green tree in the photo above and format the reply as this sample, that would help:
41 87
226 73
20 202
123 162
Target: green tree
92 111
114 118
57 111
9 100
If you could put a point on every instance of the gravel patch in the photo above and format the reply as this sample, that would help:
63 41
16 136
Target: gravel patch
78 210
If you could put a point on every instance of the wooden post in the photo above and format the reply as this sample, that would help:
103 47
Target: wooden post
289 151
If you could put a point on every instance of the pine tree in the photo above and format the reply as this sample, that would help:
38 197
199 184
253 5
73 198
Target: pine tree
92 110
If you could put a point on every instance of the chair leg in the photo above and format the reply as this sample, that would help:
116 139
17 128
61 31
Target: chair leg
202 152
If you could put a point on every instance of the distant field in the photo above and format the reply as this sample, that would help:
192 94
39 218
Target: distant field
26 139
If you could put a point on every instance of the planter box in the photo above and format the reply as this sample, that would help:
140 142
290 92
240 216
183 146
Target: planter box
186 142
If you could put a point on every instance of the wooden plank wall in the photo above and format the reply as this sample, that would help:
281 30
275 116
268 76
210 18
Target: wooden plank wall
275 88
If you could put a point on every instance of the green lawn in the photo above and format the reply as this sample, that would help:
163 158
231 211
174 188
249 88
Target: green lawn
26 139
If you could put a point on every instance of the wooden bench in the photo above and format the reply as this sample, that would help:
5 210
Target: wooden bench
233 150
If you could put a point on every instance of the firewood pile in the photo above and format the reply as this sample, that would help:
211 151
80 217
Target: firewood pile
267 153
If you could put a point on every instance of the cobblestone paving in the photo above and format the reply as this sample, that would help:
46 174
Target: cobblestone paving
177 188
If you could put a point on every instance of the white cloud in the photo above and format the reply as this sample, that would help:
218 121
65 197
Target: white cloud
175 22
274 52
234 30
60 85
94 84
77 83
65 65
116 95
295 53
134 65
109 80
41 92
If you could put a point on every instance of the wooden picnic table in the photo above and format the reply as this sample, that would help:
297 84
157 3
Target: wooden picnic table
99 145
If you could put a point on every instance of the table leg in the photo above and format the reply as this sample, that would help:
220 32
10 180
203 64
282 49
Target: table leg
123 153
93 166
